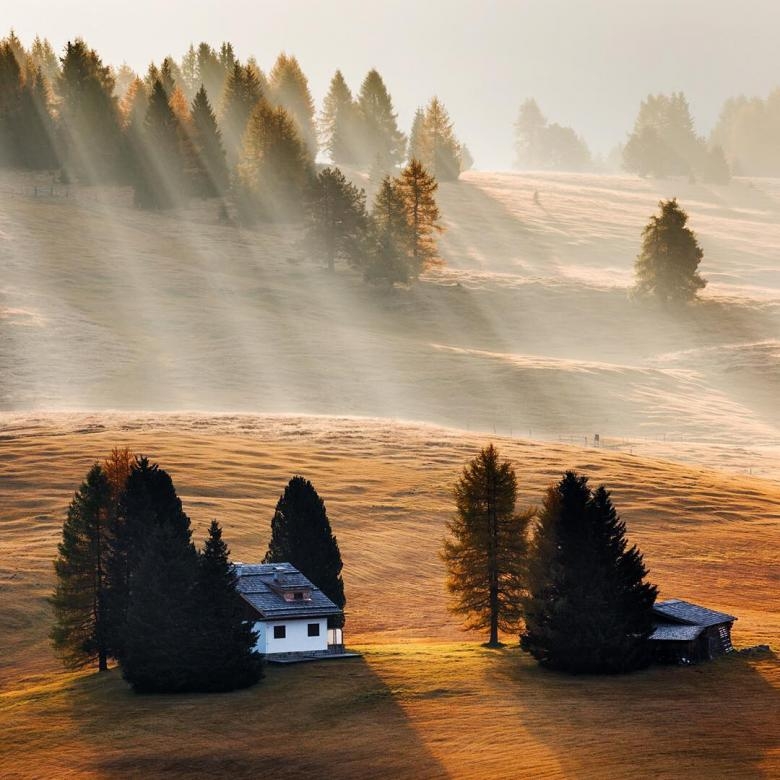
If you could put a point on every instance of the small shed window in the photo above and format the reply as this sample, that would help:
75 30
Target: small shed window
314 629
280 632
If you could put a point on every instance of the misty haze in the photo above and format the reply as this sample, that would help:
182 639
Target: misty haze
388 249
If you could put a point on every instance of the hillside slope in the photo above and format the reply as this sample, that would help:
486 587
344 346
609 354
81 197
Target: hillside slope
526 328
439 707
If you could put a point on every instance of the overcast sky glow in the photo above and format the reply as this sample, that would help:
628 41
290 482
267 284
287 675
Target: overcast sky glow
588 62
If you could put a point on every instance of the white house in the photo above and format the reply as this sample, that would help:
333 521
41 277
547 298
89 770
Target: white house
290 613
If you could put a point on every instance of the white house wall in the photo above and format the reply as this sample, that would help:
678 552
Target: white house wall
297 639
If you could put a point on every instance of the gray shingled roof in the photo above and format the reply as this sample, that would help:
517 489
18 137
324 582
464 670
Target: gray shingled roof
254 585
692 614
672 632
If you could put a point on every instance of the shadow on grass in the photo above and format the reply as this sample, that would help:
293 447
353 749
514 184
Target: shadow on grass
715 719
335 719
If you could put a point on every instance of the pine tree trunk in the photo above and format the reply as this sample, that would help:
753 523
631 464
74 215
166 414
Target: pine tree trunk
493 564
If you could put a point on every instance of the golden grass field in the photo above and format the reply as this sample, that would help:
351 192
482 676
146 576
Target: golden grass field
426 700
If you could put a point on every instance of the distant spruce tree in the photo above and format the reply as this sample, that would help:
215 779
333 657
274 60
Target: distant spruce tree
339 128
667 265
440 148
485 552
243 91
89 116
301 535
541 145
290 90
275 169
42 56
160 174
11 86
416 149
418 189
529 130
588 607
210 72
81 634
211 174
162 627
336 218
225 653
148 501
379 136
38 142
390 236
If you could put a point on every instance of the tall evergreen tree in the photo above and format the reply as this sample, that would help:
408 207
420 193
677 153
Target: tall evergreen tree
80 633
588 608
275 169
667 265
242 93
11 88
162 627
339 122
379 133
211 73
89 115
418 189
440 147
225 648
149 501
38 139
301 535
336 218
390 240
160 176
211 171
290 90
529 130
42 56
485 553
417 143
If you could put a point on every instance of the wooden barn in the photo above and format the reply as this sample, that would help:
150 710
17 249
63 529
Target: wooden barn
687 633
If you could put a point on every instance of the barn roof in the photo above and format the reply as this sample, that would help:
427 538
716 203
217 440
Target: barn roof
259 585
674 632
681 611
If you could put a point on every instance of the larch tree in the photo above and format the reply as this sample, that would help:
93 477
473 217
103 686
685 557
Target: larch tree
440 148
290 90
242 93
418 189
275 168
667 265
301 535
336 218
588 608
390 236
226 658
81 633
380 139
485 552
211 176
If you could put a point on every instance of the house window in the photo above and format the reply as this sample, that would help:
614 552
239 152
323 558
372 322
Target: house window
298 595
314 629
280 632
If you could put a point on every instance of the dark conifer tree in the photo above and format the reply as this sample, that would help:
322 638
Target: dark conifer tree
160 175
89 116
588 608
667 266
11 87
225 648
301 535
211 169
336 218
379 133
162 627
418 189
416 147
148 501
485 553
80 633
211 73
38 134
390 237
